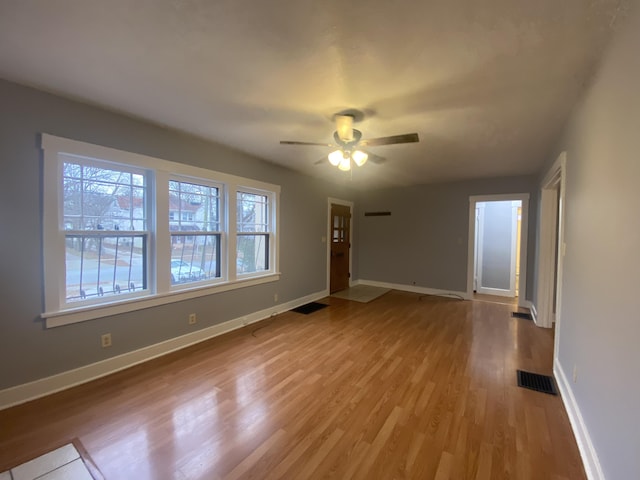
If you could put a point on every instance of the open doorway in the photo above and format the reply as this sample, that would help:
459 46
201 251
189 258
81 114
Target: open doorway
497 242
551 248
498 248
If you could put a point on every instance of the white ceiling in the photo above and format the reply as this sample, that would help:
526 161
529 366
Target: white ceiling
487 85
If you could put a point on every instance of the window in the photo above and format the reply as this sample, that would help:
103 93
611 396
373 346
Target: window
196 238
253 232
124 231
105 229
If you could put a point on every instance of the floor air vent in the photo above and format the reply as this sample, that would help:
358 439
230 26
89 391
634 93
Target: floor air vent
309 308
525 316
537 382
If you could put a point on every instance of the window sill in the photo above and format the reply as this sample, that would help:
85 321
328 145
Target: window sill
81 314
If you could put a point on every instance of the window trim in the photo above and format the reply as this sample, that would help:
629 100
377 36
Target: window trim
221 232
160 172
270 234
146 232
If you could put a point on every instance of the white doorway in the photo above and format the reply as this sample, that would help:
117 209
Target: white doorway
551 247
497 242
498 246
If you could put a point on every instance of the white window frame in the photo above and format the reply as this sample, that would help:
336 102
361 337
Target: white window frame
159 291
271 233
222 230
60 269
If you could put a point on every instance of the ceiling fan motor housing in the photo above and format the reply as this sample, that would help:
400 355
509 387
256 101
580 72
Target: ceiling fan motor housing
344 127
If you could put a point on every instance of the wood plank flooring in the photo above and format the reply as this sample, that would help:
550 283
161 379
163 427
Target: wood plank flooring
402 387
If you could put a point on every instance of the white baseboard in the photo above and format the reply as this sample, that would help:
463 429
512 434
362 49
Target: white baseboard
498 292
415 289
524 303
534 312
61 381
585 445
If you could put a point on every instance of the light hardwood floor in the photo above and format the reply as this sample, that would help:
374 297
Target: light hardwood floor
402 387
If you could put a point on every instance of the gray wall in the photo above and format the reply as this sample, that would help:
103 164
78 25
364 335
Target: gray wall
599 330
496 245
426 237
28 351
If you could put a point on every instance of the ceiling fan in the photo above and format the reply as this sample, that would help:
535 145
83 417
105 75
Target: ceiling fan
348 143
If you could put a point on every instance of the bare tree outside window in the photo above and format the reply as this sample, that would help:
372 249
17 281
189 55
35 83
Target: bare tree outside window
103 208
252 233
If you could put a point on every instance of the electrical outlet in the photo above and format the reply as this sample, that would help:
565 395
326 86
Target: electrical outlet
575 374
192 318
275 297
106 340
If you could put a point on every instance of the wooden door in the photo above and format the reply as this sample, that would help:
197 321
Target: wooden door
340 245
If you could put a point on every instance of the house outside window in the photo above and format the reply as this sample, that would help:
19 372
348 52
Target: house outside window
105 229
195 238
253 231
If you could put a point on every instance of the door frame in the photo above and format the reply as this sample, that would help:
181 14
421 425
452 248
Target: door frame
552 217
346 203
479 249
524 229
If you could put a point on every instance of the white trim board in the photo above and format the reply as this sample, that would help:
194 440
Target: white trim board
585 445
415 289
534 314
498 292
45 386
532 309
551 237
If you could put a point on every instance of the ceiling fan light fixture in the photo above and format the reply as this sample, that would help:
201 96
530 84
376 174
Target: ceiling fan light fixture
347 139
345 164
335 157
359 157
